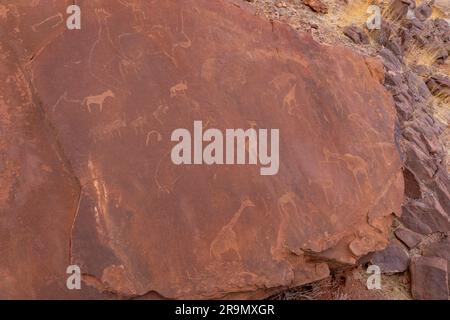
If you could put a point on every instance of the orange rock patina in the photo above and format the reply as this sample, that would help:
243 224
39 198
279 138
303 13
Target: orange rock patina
86 122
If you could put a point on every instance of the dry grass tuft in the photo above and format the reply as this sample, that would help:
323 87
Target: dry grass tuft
420 55
438 14
392 14
319 290
355 12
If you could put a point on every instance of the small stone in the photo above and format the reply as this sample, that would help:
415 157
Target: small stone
423 12
356 34
390 60
395 46
425 216
408 237
393 259
439 85
316 5
438 249
429 279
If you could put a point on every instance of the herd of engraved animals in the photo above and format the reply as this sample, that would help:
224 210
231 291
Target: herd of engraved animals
98 102
148 126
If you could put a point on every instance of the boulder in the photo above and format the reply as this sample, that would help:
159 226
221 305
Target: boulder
425 216
398 9
393 259
88 152
439 249
357 34
429 278
408 237
439 85
316 5
423 11
390 60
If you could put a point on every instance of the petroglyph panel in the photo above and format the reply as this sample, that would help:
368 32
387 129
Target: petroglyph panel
112 94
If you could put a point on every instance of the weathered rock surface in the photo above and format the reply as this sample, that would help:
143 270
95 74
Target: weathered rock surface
439 249
439 85
357 34
393 259
408 237
426 211
85 145
38 192
429 278
316 5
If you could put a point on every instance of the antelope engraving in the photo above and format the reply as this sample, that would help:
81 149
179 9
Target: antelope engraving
179 89
98 100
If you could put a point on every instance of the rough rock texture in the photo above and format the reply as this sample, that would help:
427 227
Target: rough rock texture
439 85
38 191
427 184
357 34
415 52
393 259
85 145
408 237
429 278
439 249
316 5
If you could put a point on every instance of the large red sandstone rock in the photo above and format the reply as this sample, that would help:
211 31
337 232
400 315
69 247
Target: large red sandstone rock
97 188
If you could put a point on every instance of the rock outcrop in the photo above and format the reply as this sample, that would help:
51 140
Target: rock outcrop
412 46
87 117
429 278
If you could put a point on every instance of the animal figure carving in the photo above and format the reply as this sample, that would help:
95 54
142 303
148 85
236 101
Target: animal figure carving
109 131
98 100
179 89
227 239
290 100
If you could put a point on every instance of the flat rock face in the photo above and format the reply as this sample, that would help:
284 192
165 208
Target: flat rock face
429 278
408 237
138 225
393 259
